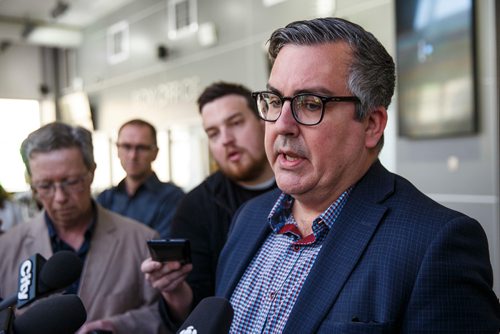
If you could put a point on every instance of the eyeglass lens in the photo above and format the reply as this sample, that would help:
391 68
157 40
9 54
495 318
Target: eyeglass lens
307 109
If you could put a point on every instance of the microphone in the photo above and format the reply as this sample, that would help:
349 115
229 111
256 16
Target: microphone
39 277
62 314
6 320
213 315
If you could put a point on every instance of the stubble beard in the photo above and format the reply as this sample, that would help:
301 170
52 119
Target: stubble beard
246 172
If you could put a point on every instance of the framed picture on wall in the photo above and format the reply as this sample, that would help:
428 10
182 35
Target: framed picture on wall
436 72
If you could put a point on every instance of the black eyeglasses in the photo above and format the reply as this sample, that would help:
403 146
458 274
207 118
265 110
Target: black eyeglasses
307 108
139 148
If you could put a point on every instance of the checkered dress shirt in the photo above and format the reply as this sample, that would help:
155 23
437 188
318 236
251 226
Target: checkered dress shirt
266 294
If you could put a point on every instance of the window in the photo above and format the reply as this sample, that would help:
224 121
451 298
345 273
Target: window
182 18
118 42
18 118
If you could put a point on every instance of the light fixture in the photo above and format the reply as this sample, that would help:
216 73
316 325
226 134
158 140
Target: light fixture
51 36
60 8
207 34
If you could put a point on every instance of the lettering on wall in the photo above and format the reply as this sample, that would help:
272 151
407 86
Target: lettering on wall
168 93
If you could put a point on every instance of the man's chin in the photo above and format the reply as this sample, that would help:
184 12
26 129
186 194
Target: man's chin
242 174
235 173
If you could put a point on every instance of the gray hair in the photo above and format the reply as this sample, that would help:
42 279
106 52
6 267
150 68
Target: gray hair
371 75
56 136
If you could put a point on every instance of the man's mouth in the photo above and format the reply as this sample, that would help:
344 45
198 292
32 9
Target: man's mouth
289 157
234 156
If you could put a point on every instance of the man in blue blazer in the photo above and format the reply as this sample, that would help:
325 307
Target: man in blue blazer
344 246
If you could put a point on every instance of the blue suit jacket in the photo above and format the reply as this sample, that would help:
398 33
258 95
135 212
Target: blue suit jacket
394 262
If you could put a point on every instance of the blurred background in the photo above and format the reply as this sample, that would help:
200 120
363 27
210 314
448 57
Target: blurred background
100 63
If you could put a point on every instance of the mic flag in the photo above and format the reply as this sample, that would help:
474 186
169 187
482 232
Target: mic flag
62 314
57 273
213 315
39 277
29 272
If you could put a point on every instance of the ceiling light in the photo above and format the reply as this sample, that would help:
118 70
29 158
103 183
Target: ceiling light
49 36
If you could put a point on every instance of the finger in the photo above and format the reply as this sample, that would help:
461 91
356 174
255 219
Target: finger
148 266
172 281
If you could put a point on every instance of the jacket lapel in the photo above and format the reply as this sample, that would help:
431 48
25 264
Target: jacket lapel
102 252
37 240
341 251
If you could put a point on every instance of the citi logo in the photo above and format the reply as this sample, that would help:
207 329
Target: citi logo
189 330
25 279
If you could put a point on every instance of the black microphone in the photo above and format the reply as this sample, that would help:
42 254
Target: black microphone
39 277
6 320
62 314
213 315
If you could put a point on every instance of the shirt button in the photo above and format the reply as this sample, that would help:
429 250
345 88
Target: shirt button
272 295
296 248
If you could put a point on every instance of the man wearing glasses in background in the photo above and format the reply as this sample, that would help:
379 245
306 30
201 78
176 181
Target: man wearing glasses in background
60 163
345 246
141 195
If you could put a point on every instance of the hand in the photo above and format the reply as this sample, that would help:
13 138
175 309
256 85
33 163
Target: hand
95 326
166 277
170 279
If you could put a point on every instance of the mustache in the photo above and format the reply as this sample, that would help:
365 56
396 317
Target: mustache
290 145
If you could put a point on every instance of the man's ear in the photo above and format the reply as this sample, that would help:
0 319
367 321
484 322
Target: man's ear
375 126
156 150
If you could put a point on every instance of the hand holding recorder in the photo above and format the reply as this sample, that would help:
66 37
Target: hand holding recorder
167 270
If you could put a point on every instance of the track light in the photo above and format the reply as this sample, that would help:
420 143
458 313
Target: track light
27 29
60 8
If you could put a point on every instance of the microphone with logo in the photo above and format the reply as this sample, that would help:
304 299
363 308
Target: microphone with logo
62 314
39 277
213 315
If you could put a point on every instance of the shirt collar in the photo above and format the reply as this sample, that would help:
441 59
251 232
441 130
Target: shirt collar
88 232
282 210
152 183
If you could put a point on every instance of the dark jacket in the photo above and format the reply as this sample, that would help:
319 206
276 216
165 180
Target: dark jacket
204 216
394 261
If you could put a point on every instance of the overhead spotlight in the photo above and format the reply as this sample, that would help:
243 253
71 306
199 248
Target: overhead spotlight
60 8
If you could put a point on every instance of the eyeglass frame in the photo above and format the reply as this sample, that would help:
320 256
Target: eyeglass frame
64 185
283 99
137 148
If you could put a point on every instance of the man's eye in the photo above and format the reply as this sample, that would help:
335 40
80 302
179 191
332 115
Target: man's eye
312 106
275 103
309 103
236 122
212 134
72 182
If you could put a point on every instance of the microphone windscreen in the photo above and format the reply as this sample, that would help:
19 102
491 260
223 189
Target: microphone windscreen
60 271
213 315
62 314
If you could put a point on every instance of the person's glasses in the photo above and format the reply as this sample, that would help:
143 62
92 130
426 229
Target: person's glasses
71 185
307 108
138 148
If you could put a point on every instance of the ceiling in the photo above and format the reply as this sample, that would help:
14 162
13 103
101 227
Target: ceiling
21 16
